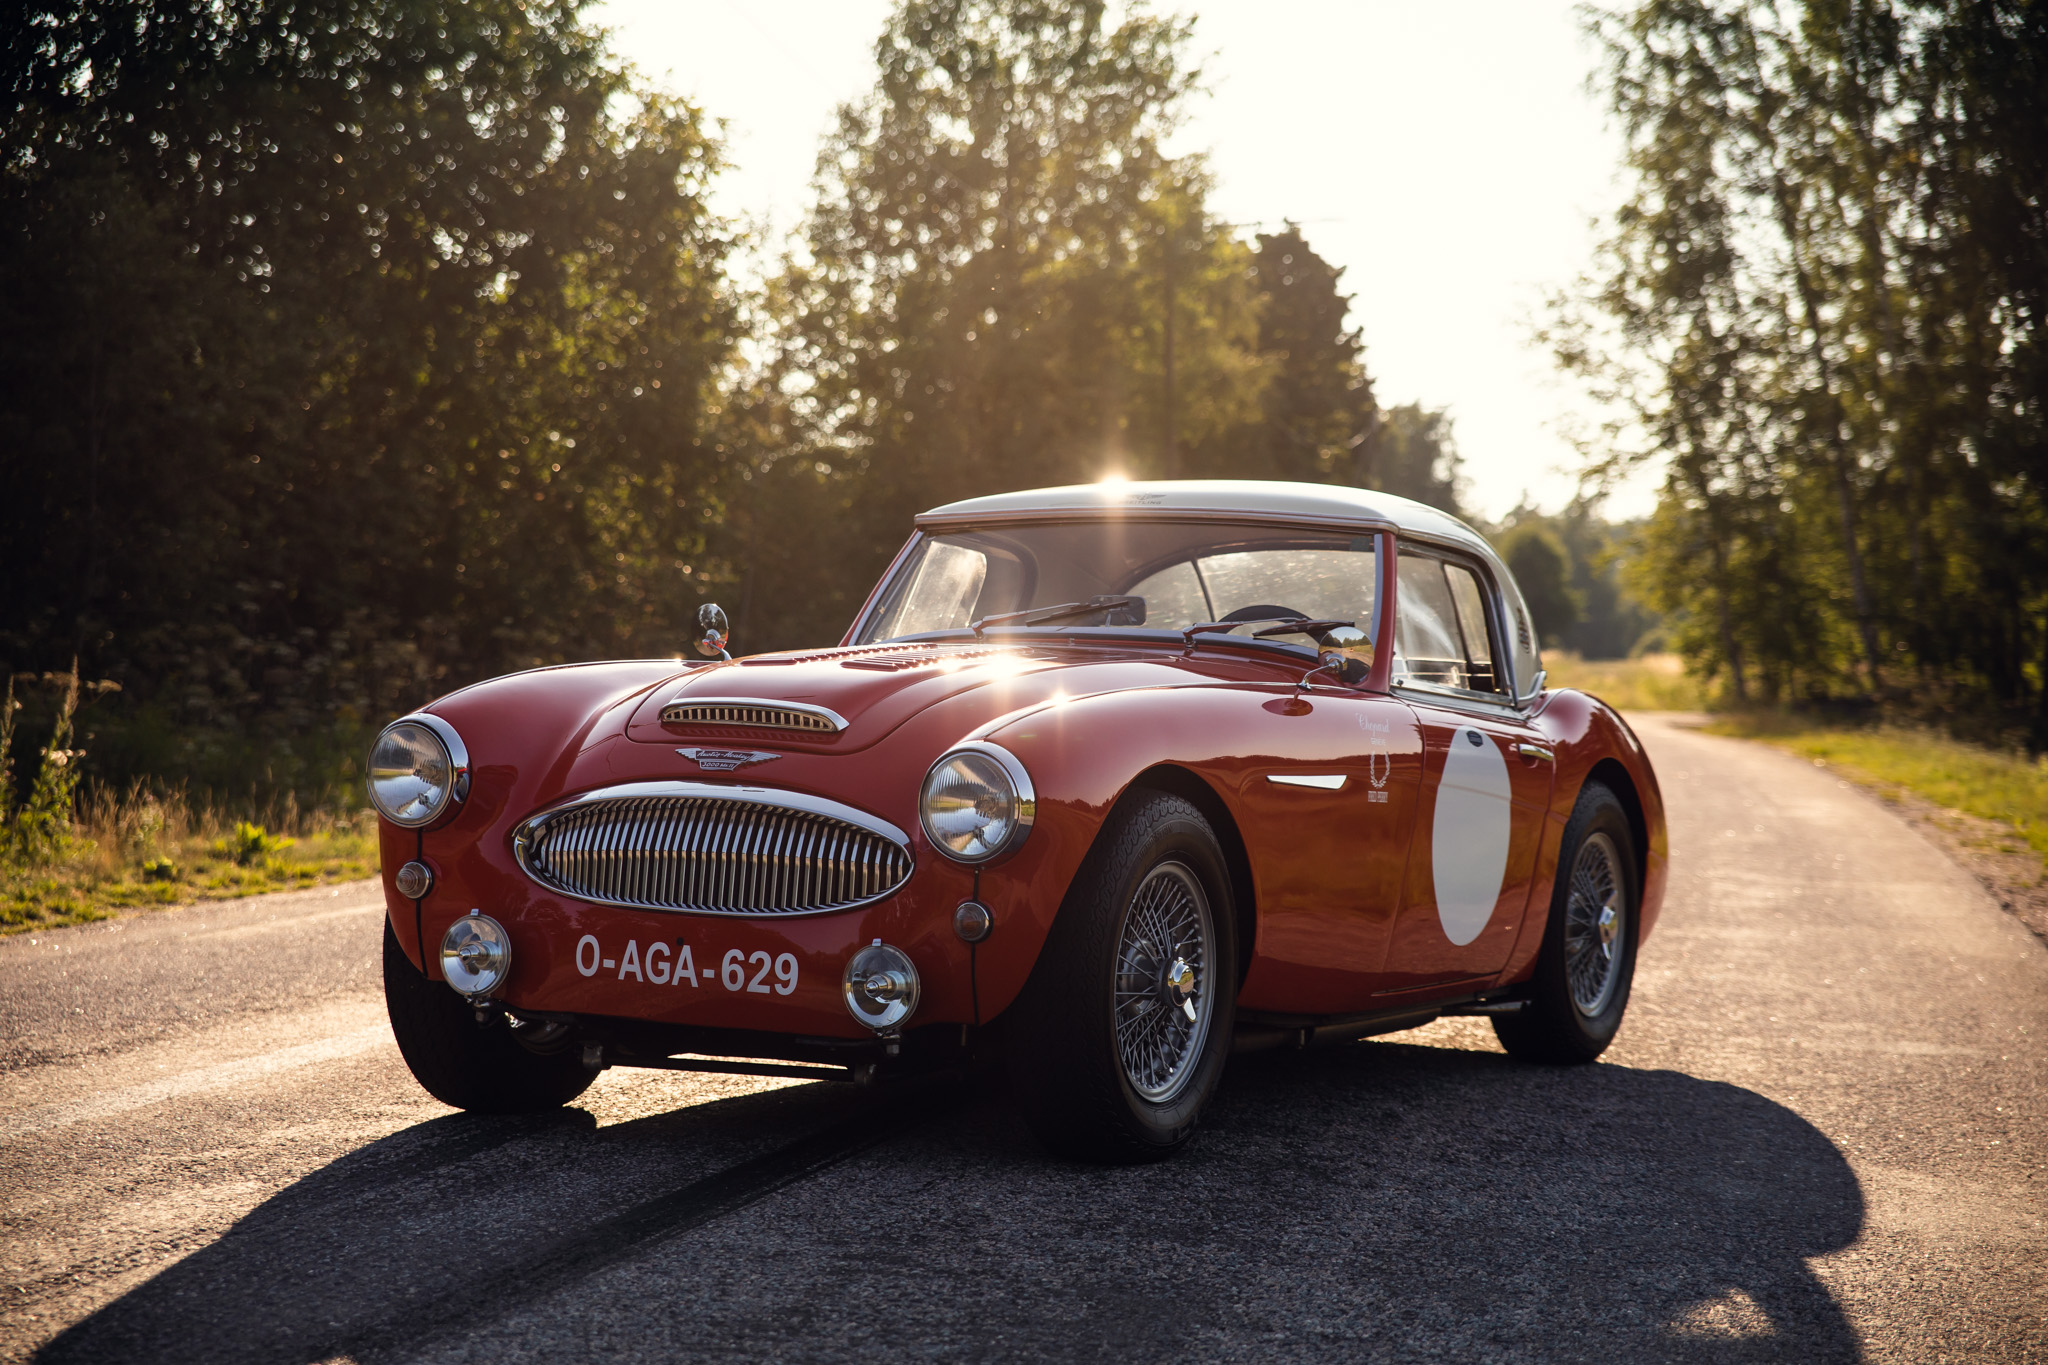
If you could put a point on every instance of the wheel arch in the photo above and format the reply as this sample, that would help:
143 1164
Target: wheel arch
1190 786
1610 773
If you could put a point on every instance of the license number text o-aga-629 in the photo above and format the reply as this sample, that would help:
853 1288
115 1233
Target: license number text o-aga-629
757 972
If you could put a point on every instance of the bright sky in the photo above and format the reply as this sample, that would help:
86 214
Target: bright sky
1446 153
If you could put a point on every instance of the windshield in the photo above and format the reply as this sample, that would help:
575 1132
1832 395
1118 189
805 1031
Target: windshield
1177 575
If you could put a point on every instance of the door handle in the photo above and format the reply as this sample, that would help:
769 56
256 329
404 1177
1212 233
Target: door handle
1536 751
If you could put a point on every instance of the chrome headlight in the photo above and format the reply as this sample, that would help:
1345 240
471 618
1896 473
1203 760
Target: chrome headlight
476 955
418 770
977 803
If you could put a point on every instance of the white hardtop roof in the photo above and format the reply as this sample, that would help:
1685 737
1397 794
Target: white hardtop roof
1264 499
1325 505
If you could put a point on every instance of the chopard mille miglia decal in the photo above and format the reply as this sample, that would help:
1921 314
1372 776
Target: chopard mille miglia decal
725 760
1379 761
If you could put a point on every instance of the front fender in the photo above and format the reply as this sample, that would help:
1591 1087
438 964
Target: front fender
1083 755
526 734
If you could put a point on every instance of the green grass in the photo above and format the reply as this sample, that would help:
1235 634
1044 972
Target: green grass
141 849
2008 788
1654 682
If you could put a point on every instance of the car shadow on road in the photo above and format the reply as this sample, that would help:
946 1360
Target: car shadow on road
1381 1201
1483 1209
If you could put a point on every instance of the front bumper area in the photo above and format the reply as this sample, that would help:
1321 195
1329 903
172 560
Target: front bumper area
606 1042
768 975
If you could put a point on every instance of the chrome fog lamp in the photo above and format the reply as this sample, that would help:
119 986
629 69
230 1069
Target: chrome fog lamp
418 770
977 803
476 955
880 984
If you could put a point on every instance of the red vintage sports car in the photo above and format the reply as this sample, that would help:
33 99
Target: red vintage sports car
1109 782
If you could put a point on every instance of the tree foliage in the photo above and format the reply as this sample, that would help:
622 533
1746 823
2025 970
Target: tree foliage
1823 307
1598 614
347 348
1006 283
351 350
1543 571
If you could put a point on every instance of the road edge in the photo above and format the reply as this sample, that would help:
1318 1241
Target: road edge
2017 881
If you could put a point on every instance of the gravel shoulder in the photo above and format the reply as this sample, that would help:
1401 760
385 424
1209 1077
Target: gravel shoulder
1817 1138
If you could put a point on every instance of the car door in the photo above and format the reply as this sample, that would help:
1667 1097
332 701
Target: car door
1486 777
1328 806
1326 778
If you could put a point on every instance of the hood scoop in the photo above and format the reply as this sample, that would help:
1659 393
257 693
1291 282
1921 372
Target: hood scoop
753 712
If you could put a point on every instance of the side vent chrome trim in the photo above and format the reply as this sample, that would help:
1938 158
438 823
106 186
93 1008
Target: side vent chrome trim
753 711
1328 782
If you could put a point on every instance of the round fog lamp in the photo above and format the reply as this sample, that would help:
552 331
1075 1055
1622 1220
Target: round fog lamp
880 985
476 954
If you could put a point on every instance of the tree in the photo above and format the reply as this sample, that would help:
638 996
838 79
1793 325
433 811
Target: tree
1008 283
1410 453
1543 570
1317 409
348 349
1820 307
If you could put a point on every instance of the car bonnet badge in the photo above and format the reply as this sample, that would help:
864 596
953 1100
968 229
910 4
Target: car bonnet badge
725 760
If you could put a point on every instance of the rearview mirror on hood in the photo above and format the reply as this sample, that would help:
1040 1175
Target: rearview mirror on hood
713 632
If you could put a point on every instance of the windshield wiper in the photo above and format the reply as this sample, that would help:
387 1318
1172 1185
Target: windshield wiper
1045 616
1287 625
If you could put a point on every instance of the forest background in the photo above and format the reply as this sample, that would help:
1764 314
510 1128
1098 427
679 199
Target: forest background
352 350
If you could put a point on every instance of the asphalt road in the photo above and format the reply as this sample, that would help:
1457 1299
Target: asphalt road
1818 1138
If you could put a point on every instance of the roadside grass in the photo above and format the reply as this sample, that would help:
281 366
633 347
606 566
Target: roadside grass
2009 789
142 848
1652 682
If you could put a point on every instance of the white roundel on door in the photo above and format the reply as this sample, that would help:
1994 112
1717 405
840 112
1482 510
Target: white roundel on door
1468 843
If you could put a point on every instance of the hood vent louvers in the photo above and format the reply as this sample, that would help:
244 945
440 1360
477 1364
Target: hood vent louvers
753 711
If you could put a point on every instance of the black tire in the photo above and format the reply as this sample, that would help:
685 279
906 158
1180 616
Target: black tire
1067 1072
463 1063
1564 1024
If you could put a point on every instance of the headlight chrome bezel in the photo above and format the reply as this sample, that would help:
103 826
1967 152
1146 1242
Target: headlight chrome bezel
457 755
1023 803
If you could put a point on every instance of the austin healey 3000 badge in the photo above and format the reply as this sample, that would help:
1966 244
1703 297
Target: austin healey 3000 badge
725 760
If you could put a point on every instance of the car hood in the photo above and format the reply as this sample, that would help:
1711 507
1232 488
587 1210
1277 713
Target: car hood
876 689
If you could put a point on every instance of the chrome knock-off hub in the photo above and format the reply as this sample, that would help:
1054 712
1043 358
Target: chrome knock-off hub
1177 986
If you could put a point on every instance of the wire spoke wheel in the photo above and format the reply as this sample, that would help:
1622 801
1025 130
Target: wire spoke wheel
1595 926
1162 997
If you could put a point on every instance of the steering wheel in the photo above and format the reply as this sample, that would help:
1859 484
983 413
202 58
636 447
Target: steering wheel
1264 611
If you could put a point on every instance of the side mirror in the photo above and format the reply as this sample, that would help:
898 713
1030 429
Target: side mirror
713 632
1347 652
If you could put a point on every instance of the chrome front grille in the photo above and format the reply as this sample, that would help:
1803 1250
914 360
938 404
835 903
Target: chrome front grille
767 715
708 849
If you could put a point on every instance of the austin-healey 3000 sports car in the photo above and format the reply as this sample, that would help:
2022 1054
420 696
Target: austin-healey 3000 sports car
1103 785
